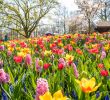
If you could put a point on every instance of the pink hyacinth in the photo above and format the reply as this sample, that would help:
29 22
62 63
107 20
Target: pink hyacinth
103 55
28 59
4 77
75 70
42 87
2 48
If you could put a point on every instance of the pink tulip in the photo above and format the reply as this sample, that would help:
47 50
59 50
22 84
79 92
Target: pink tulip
9 53
38 67
62 61
28 59
2 48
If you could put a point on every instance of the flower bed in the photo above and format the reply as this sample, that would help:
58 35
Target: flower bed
73 66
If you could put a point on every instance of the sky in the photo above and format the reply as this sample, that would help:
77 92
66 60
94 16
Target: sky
69 4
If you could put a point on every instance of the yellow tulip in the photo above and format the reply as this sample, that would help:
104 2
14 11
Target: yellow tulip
47 53
22 54
69 57
87 85
57 96
60 44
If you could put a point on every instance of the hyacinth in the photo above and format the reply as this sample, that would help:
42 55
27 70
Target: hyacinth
4 77
42 87
28 59
75 70
2 48
103 54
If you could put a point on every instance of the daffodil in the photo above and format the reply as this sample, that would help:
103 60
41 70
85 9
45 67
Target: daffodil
88 85
57 96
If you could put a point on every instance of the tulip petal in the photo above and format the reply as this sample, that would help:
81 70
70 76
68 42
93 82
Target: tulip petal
92 82
94 89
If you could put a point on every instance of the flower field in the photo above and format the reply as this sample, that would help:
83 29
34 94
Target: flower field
66 67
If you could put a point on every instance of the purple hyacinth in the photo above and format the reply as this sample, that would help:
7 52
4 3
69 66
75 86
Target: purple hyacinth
42 87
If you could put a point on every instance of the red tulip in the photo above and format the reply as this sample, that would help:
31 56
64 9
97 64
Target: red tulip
100 66
94 51
104 72
18 59
60 66
46 66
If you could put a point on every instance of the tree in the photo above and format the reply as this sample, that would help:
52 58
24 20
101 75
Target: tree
23 16
61 17
88 8
104 12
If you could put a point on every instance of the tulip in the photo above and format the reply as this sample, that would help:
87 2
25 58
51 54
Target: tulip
18 59
69 57
2 48
60 66
104 73
9 53
56 96
42 87
100 66
94 51
88 85
28 59
47 53
61 60
46 66
38 64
